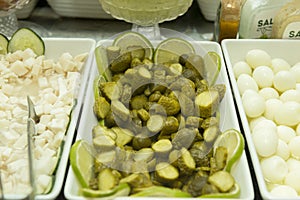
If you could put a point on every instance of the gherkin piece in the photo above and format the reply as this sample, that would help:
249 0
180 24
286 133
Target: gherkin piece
220 155
186 162
166 173
171 105
112 52
183 138
141 141
124 136
211 133
207 102
136 51
137 180
223 180
196 183
171 125
121 63
101 107
108 179
109 90
221 88
138 102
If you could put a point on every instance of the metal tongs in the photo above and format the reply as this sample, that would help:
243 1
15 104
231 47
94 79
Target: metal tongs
31 131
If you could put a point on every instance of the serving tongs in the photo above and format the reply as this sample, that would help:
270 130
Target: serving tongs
31 132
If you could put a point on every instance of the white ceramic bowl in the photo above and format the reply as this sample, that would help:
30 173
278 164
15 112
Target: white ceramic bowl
234 51
76 8
54 48
209 8
228 120
26 11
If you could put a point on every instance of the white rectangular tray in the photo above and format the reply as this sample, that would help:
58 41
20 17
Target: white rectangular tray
234 51
228 120
54 47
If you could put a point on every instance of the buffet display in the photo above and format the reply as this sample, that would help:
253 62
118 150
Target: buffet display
149 112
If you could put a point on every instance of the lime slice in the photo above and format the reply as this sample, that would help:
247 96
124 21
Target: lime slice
25 38
82 162
3 44
233 193
102 62
233 140
161 191
212 62
128 39
171 49
122 189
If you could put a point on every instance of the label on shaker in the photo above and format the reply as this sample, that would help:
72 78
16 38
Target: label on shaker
262 24
292 31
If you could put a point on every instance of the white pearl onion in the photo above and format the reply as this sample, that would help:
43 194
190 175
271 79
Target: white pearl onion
265 123
279 64
293 164
293 179
265 141
294 146
241 67
274 169
258 57
298 129
268 93
290 95
263 75
284 80
253 103
296 71
245 82
283 191
283 150
288 114
285 133
254 121
272 105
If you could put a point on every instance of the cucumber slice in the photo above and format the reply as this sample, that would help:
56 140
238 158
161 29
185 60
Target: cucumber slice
3 44
25 38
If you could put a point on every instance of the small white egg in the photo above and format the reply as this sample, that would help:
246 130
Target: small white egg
294 146
279 64
241 67
254 121
292 179
265 141
265 123
246 82
293 163
289 114
272 105
268 93
254 105
274 169
290 95
258 57
285 133
263 75
284 80
283 150
283 191
296 71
